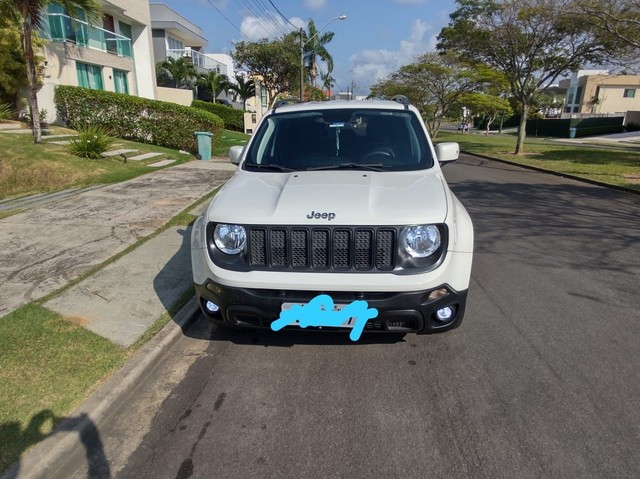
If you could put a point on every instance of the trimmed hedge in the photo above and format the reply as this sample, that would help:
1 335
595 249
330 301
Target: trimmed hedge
134 118
233 119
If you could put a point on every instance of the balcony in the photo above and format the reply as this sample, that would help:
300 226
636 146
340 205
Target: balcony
198 60
62 28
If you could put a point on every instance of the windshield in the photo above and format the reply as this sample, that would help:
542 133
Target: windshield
378 140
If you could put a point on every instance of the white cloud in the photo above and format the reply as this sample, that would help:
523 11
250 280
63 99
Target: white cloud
411 2
369 66
315 4
257 28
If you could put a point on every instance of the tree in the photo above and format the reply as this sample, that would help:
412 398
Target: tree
489 106
179 72
328 82
31 16
215 82
531 42
13 68
275 62
434 83
615 21
316 49
243 88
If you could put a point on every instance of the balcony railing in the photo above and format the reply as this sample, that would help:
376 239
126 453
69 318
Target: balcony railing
198 60
62 28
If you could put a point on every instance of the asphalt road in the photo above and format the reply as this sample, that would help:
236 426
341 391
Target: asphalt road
541 380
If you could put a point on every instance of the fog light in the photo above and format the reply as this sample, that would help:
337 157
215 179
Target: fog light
444 314
211 307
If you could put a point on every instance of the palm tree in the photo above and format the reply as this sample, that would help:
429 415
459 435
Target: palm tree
244 88
31 15
214 81
316 49
328 82
181 73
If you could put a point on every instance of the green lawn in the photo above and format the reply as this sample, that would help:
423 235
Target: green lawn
615 166
227 140
49 365
26 168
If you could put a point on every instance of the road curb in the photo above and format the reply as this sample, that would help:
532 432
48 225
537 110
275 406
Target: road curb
554 173
49 454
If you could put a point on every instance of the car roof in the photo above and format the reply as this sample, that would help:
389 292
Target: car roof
340 104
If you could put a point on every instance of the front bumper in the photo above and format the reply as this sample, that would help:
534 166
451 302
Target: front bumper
397 311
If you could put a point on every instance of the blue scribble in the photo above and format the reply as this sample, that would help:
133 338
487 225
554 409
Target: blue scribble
319 312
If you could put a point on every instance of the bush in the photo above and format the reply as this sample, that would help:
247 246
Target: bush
5 111
233 119
134 118
43 118
92 141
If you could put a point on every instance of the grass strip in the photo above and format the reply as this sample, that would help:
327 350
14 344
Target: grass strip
613 166
49 365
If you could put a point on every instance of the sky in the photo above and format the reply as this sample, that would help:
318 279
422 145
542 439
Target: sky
377 38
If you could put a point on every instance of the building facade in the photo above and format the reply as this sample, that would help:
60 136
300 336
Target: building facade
597 92
112 55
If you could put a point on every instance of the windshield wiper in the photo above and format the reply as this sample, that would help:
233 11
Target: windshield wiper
345 166
269 166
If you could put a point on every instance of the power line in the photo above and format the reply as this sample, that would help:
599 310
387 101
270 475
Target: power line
274 18
269 28
225 17
285 18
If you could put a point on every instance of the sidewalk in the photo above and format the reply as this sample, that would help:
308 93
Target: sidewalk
45 248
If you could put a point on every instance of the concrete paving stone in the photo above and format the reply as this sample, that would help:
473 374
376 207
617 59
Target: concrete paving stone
118 152
61 142
43 249
10 126
121 301
51 137
23 131
161 163
145 156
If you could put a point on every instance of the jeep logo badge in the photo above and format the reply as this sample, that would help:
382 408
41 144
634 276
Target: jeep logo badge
323 216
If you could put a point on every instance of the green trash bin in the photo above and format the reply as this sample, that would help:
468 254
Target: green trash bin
572 132
204 144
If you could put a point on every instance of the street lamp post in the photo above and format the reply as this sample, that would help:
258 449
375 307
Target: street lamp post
302 45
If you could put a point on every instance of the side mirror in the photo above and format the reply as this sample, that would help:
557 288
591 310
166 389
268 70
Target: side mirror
447 151
235 153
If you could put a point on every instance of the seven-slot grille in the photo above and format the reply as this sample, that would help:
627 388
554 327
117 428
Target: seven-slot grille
339 249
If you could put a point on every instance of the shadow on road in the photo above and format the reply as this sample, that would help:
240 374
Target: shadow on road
15 440
204 330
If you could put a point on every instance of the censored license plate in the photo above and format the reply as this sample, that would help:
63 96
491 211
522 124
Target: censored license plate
347 323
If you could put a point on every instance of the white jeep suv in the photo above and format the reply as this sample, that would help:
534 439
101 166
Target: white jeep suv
343 198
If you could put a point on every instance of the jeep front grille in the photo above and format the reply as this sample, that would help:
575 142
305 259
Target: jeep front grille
334 249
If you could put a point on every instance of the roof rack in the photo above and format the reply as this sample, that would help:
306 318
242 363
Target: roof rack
285 101
402 100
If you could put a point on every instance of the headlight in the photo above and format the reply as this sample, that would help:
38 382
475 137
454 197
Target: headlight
230 239
420 241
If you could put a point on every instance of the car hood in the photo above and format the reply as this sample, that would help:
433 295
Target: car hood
339 197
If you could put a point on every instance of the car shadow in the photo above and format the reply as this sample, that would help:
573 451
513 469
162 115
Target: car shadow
202 329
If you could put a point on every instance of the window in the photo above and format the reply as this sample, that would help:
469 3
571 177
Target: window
321 139
124 47
629 93
174 44
89 76
263 96
120 81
